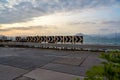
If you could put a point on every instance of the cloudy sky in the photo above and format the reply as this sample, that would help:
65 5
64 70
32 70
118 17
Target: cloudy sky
59 17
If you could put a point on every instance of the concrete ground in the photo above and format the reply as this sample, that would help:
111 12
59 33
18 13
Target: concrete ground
43 64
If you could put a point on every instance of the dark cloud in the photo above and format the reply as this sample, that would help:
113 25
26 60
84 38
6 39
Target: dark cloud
104 29
78 23
103 22
109 29
28 28
74 23
87 22
24 10
111 22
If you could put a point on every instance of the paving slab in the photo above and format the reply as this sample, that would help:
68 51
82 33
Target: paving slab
9 73
24 78
69 60
28 63
91 60
80 54
69 69
42 74
31 52
40 52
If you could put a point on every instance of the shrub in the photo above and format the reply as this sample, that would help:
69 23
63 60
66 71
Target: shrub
109 70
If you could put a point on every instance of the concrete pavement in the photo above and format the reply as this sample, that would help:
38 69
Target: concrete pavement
9 72
43 74
44 64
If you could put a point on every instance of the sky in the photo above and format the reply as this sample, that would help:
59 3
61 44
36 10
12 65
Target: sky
59 17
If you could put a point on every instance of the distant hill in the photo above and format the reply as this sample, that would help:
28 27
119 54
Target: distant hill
79 34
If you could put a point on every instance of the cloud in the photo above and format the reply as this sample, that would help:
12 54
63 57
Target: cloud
12 11
78 23
111 22
28 28
1 26
108 29
74 23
